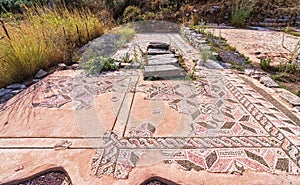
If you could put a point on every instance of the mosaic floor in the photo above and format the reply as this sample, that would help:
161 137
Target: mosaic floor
216 123
229 127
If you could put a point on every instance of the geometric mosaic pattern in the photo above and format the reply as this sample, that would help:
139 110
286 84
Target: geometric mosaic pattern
58 91
233 129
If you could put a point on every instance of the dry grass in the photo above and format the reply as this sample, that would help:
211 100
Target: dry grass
43 39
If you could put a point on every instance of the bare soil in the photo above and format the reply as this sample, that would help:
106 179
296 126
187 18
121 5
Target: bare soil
257 44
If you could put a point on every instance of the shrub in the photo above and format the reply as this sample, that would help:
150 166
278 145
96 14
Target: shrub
150 16
45 38
241 12
265 64
131 13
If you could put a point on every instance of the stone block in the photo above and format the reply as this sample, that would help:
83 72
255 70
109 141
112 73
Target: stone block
163 71
289 97
158 51
162 61
268 82
159 45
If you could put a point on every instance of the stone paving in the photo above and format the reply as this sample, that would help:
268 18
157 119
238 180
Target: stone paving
161 62
117 122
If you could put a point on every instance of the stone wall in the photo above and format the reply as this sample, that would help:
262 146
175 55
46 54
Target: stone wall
282 21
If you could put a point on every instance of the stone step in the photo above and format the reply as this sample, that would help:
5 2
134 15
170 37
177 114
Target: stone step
159 45
162 61
166 56
158 51
163 71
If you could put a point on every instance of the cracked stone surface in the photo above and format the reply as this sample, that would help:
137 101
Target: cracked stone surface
128 130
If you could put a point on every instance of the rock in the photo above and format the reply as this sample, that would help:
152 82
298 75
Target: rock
40 74
255 76
249 72
8 96
16 86
35 80
1 93
118 64
28 82
14 92
4 92
2 100
159 45
75 66
215 55
124 65
296 109
224 64
258 74
62 66
268 82
19 168
289 97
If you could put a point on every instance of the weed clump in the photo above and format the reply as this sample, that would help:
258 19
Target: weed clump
98 64
265 64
